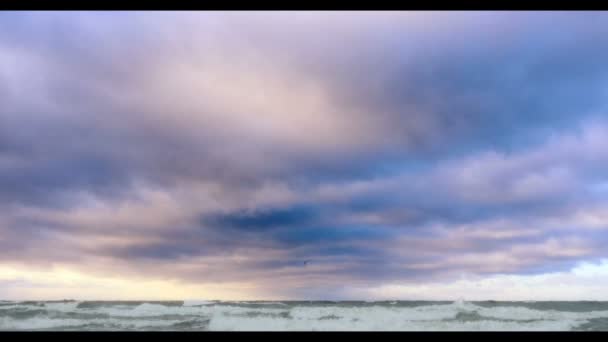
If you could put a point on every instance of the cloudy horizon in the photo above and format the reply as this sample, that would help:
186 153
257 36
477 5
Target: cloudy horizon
304 155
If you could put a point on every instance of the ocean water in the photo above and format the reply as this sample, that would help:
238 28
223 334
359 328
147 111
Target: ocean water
303 316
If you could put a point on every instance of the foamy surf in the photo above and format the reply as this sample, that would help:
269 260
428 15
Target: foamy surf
304 316
198 302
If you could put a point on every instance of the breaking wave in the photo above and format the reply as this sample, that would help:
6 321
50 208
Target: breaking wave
303 316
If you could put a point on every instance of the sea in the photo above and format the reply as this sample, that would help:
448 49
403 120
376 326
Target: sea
459 315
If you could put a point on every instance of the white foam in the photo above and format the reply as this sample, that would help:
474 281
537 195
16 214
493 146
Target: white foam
524 314
35 323
197 302
151 310
232 316
64 307
148 310
430 312
428 317
120 318
338 318
44 323
267 303
379 323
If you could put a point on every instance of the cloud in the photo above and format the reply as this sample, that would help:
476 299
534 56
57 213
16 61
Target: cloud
228 147
53 283
263 219
583 282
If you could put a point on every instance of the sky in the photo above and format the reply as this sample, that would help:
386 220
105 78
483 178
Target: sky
304 155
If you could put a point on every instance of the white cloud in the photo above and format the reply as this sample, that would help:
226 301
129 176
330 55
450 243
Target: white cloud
584 282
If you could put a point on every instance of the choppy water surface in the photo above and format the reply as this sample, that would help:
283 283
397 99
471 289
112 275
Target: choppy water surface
303 316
